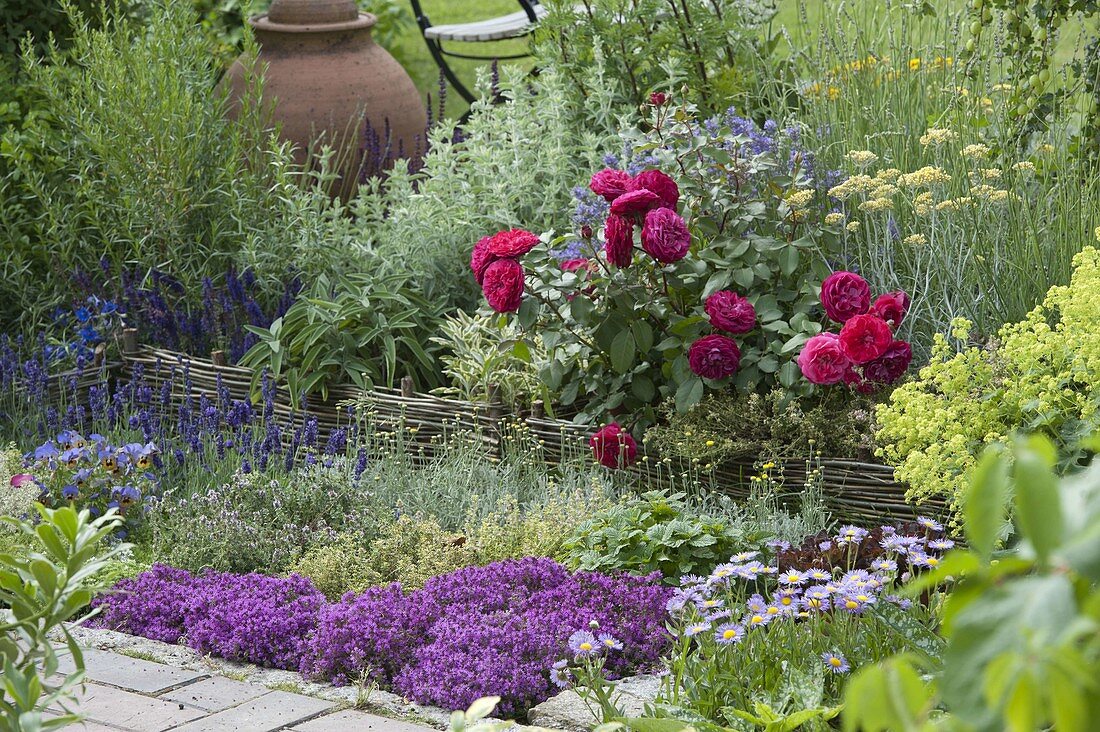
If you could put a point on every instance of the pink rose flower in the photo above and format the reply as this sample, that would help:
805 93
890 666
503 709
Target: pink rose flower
613 447
481 258
821 360
572 265
845 294
659 183
714 357
511 244
635 202
610 183
889 367
730 312
665 236
618 236
503 285
891 307
864 338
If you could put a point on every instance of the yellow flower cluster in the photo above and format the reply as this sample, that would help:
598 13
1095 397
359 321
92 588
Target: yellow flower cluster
929 175
862 158
976 151
1044 373
915 240
832 219
799 199
1097 233
1024 165
938 136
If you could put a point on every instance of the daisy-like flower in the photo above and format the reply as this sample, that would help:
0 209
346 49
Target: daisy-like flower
856 578
716 616
901 602
584 644
610 642
820 592
853 604
696 628
816 604
710 603
692 580
920 559
792 577
941 545
750 571
729 633
818 575
560 675
756 604
756 620
779 545
742 557
825 545
888 530
882 564
679 601
723 571
851 535
774 611
929 523
835 662
769 570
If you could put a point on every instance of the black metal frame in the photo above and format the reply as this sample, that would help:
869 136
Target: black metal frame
440 54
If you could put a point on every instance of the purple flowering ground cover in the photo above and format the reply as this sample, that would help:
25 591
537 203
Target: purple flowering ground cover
492 630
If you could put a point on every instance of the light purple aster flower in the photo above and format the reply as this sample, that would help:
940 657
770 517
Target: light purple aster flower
902 602
756 620
929 523
920 559
835 662
709 603
941 545
719 615
779 545
882 564
825 545
742 557
584 644
792 577
692 580
696 628
817 603
851 535
749 571
818 575
756 604
610 642
723 572
729 633
854 603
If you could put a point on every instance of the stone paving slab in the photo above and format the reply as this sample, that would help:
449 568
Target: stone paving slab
272 711
352 721
214 694
134 674
129 711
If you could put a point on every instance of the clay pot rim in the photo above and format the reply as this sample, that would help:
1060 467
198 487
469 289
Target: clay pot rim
261 23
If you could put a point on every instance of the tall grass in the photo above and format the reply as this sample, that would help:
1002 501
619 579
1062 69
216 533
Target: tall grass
876 78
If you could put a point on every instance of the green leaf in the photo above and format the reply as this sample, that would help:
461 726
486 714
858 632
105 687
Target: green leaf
622 351
1038 505
885 697
689 393
984 504
643 335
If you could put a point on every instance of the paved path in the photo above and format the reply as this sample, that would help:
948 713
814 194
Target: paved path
134 695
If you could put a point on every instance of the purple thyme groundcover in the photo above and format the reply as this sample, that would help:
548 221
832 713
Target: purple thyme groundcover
492 630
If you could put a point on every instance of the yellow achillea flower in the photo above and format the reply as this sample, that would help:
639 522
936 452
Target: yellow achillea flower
1025 165
938 136
914 240
1002 87
976 151
1097 233
853 226
856 184
947 206
862 158
887 174
799 199
923 203
929 175
914 64
877 204
833 219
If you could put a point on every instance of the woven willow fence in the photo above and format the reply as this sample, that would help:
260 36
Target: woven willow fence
852 489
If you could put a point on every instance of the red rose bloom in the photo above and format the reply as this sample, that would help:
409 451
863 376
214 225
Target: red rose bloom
659 183
821 360
856 380
512 244
635 202
891 307
658 98
610 183
618 234
572 265
730 312
864 338
481 258
888 368
845 294
665 236
714 357
503 285
613 447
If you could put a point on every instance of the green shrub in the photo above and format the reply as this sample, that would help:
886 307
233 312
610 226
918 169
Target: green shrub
657 532
339 566
41 592
478 353
15 501
509 532
363 330
772 426
256 522
710 47
413 549
1040 375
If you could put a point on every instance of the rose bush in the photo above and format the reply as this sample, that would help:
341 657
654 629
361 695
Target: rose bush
696 264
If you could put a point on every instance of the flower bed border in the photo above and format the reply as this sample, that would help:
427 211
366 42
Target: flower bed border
853 489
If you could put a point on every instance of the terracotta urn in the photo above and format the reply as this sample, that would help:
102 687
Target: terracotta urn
326 82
